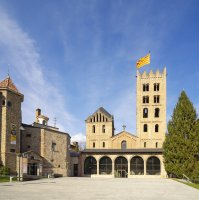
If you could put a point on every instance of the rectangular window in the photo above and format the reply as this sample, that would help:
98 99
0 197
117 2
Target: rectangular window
144 144
103 144
156 99
28 135
93 144
145 87
53 146
156 86
12 150
145 99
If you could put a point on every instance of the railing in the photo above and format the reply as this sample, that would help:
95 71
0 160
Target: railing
186 178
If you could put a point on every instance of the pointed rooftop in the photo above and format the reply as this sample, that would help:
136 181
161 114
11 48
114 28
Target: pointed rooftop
8 84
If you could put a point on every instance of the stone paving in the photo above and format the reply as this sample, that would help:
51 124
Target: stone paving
98 188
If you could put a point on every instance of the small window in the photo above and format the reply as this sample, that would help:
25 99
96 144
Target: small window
12 150
156 145
103 129
156 86
156 128
145 87
144 144
59 166
156 99
123 144
93 129
28 135
103 144
9 104
91 120
145 128
28 147
44 122
145 112
145 99
3 103
103 118
93 144
157 112
53 146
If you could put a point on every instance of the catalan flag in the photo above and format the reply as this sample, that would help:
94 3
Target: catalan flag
143 61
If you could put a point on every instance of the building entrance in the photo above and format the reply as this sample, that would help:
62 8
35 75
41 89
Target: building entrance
121 167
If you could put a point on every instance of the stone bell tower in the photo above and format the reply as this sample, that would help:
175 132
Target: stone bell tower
10 123
151 108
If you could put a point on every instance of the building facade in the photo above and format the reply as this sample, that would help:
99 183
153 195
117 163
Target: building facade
125 154
34 150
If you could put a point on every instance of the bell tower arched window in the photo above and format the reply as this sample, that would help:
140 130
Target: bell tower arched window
157 112
156 128
103 129
93 128
145 128
145 113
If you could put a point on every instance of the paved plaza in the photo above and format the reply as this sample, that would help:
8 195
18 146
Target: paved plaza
98 188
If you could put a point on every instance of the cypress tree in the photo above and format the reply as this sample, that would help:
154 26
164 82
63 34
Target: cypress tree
182 141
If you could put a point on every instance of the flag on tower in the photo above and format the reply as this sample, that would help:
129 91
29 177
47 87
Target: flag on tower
143 61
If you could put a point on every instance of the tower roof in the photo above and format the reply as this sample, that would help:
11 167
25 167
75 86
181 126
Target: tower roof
8 84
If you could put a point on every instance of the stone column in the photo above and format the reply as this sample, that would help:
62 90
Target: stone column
113 168
97 166
145 166
129 162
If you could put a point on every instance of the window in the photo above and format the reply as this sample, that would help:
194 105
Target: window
53 146
94 119
3 103
93 129
145 99
90 165
145 128
156 145
91 120
103 118
9 104
103 128
157 112
28 147
144 144
156 99
137 166
12 150
153 166
156 86
105 165
103 144
97 117
123 144
156 128
93 144
145 112
28 135
145 87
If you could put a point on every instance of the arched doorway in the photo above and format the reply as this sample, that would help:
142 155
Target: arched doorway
137 166
121 167
90 165
105 165
153 166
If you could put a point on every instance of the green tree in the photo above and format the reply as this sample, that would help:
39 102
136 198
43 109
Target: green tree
182 141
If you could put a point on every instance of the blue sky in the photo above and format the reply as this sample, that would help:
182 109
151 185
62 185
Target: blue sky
71 57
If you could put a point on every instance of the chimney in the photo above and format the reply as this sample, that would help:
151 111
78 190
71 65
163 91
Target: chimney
38 113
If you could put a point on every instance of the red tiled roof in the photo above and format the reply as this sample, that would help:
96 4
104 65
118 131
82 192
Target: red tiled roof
8 84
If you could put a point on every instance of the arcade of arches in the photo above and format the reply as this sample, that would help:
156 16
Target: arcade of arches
122 166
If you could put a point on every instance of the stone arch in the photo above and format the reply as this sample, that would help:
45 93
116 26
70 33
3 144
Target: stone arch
90 165
105 165
137 165
121 166
153 166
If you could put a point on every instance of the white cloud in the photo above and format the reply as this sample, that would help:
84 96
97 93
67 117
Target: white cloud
79 137
20 51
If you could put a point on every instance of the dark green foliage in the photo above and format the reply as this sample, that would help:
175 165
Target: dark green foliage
4 171
181 145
